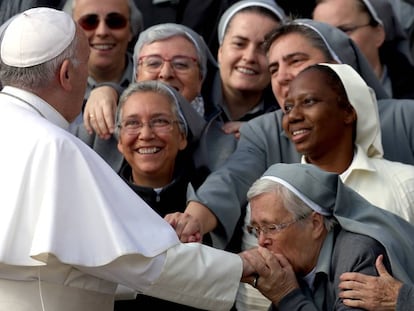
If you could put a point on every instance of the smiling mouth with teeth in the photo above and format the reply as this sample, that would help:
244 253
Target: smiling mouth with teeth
148 150
102 47
246 71
294 133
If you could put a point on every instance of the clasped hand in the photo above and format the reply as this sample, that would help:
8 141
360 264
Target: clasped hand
276 275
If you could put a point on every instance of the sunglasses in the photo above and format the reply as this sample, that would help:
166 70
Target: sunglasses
112 20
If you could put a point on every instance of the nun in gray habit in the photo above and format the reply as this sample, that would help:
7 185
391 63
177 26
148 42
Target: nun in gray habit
325 194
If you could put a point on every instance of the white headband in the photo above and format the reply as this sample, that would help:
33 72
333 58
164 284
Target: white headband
317 208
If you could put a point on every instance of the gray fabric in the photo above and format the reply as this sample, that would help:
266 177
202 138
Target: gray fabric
195 122
397 129
214 146
394 32
262 143
240 5
334 259
106 148
354 213
405 300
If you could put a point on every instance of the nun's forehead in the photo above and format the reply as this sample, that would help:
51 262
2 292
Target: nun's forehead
146 44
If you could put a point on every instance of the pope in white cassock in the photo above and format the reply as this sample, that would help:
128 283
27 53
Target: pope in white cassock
70 229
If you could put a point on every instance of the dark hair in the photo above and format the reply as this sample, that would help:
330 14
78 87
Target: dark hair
291 27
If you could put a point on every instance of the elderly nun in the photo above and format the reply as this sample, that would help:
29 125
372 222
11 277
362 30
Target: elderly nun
314 228
162 32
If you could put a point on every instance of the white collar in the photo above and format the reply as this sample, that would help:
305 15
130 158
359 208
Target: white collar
35 103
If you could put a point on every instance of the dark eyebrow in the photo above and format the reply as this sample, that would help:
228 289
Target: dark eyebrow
239 37
289 56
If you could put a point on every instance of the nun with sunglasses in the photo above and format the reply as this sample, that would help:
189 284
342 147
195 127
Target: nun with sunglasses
110 27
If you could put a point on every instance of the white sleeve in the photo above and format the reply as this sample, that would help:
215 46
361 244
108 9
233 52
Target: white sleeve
200 276
191 274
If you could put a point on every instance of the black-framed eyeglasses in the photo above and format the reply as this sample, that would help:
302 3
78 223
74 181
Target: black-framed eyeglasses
272 228
112 20
157 125
350 29
154 63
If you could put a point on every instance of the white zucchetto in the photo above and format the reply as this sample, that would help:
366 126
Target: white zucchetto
36 36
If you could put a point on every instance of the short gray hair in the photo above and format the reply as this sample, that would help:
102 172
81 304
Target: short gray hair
168 30
153 86
291 202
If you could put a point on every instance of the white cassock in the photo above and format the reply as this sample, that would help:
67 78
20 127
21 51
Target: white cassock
71 229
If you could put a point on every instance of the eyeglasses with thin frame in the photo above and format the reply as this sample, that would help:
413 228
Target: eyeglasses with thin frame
157 125
272 228
154 63
112 20
350 29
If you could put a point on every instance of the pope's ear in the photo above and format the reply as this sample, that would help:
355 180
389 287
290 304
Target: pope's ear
65 75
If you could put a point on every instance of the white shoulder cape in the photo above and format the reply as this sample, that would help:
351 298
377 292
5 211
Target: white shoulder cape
59 197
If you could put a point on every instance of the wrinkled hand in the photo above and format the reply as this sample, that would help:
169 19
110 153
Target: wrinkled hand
187 227
99 113
232 127
281 280
369 292
276 276
253 265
